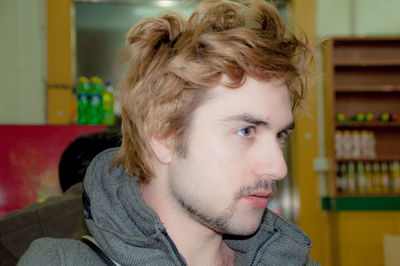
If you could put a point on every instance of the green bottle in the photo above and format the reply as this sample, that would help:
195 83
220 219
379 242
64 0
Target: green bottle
96 101
108 105
83 92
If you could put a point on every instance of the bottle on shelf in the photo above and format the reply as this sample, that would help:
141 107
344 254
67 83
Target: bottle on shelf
339 144
376 178
95 103
340 117
395 174
108 105
356 144
347 144
342 178
361 179
369 117
368 178
351 177
394 117
385 180
384 117
83 92
358 117
371 150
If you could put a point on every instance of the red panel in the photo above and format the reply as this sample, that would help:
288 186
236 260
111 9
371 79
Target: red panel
29 160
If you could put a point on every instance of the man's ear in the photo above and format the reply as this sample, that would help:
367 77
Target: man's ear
163 147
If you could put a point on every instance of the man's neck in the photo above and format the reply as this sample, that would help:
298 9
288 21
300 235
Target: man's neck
198 244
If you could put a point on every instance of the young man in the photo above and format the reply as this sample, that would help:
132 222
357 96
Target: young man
208 105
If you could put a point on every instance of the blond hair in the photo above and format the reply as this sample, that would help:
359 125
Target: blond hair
174 62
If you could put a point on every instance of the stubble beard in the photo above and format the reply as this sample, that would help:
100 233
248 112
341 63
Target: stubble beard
194 207
221 223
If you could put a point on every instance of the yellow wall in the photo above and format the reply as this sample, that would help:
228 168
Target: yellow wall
360 236
314 221
59 61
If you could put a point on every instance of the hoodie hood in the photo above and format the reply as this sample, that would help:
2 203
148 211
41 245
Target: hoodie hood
125 228
131 233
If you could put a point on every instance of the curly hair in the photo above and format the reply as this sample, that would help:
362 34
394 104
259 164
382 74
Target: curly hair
175 63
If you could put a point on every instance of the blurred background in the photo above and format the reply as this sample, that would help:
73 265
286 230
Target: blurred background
343 186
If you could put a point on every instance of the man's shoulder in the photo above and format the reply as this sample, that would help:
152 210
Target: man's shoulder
105 157
52 251
101 163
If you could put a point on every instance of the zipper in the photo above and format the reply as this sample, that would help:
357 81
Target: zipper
174 248
270 234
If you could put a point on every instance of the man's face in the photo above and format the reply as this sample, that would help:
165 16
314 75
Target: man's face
234 156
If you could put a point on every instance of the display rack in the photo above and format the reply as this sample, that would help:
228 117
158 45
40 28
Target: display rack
362 75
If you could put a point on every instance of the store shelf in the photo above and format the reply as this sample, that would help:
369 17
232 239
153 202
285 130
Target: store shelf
362 203
366 63
362 76
385 158
368 89
373 124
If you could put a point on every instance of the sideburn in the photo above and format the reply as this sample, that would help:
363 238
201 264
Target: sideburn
182 134
182 149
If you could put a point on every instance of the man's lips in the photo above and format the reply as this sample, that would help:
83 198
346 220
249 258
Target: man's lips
258 199
261 194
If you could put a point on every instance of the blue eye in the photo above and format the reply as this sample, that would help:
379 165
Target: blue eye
247 132
283 137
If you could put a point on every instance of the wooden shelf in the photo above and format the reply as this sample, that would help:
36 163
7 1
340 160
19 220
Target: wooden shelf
366 52
367 63
346 40
373 124
367 88
379 158
362 75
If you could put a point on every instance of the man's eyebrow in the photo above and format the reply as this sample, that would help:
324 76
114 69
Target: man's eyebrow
289 127
256 121
248 119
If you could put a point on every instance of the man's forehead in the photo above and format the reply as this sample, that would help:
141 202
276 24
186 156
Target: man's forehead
249 83
226 81
261 102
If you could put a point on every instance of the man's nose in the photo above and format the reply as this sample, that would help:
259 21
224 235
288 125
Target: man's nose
271 162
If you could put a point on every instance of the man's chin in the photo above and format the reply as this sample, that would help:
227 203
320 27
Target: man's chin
244 228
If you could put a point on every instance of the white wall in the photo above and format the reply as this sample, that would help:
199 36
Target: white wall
22 61
358 17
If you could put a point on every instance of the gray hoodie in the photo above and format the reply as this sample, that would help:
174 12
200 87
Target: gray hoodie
131 233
